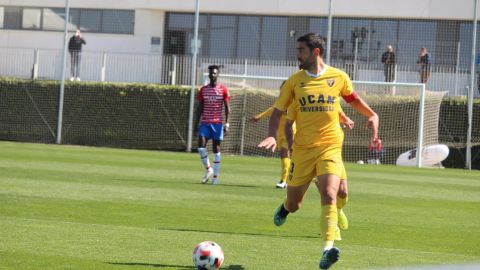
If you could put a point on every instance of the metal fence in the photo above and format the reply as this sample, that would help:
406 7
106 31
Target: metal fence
45 64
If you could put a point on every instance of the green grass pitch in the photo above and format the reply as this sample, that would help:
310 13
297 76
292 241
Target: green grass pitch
69 207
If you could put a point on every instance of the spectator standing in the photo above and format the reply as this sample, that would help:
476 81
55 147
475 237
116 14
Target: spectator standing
75 50
388 60
425 61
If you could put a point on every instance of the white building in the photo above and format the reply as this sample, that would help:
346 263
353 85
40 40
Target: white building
249 29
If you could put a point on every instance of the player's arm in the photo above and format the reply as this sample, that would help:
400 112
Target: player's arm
289 133
345 121
200 107
226 103
362 107
267 112
226 127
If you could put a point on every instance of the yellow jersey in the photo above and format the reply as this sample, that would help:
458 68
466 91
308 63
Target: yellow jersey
313 102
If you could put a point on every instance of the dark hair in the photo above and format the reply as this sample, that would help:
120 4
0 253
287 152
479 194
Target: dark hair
211 67
313 41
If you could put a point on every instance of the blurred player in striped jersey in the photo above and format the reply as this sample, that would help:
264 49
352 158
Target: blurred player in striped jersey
212 98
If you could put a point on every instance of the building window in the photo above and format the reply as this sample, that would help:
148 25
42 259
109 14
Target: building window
53 19
32 18
118 21
248 37
90 20
12 18
2 10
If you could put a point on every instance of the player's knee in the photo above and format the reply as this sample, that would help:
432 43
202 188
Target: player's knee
329 196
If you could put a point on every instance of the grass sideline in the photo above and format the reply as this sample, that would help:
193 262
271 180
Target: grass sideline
71 207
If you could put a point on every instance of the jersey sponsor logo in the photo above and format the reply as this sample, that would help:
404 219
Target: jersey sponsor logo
311 99
331 82
313 103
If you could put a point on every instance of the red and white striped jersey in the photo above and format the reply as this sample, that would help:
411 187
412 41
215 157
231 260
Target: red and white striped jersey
212 99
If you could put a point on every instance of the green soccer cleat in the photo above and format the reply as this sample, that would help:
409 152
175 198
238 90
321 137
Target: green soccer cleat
278 218
342 220
338 235
329 257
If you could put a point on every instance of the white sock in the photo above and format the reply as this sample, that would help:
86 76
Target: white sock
204 157
216 165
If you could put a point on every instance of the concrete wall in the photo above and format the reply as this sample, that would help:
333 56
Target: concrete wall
424 9
150 17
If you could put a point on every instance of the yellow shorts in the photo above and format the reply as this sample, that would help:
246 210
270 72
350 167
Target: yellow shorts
307 163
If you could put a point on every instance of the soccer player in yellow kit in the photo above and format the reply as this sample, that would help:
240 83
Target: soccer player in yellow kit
342 195
314 94
282 144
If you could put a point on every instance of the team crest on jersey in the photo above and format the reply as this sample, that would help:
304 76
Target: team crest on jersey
330 82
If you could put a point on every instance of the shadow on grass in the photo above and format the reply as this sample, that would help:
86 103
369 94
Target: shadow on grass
176 181
230 185
241 233
178 267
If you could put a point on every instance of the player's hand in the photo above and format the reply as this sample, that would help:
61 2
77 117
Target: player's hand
348 123
267 143
253 119
226 129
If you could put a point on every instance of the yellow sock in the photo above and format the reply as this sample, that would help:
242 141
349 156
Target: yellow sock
341 202
328 224
285 168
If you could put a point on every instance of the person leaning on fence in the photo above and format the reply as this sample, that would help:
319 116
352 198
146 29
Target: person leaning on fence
75 50
425 61
388 60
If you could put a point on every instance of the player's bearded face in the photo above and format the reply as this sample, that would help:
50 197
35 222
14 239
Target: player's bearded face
305 56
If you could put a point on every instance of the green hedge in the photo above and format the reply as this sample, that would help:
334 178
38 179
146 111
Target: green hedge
149 116
145 116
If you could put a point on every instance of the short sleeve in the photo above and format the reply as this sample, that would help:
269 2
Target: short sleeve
226 95
292 112
200 95
347 89
286 96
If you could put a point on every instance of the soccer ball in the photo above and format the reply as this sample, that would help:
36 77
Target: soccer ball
207 255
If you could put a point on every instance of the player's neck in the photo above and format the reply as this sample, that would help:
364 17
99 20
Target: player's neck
318 68
212 84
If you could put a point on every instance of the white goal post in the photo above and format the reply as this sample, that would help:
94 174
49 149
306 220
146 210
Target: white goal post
409 114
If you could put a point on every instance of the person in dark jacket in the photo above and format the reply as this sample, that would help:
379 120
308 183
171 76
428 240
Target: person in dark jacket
75 50
388 60
424 61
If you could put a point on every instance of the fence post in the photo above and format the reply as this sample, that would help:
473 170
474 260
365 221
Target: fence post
104 64
173 71
35 64
355 53
244 117
245 69
457 65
